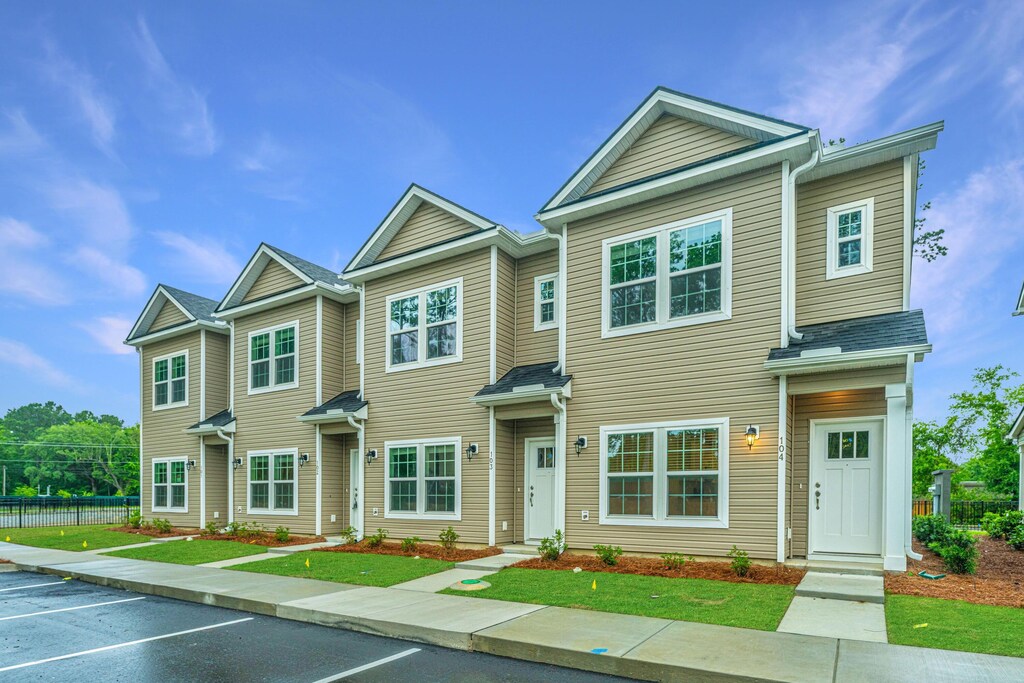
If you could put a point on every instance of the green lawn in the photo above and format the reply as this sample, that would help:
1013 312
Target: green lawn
50 537
356 568
190 552
747 605
955 625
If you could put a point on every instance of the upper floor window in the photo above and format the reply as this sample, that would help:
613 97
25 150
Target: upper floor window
545 302
170 381
170 485
423 478
425 326
850 232
272 482
669 275
273 360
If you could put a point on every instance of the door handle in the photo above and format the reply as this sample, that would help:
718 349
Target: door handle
817 500
355 499
531 496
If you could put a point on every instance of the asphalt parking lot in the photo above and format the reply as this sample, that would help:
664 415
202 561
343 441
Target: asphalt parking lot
56 630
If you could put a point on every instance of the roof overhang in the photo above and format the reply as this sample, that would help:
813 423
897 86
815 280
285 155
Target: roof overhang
524 394
1017 430
334 416
512 242
796 149
343 293
183 328
831 360
207 430
152 309
836 160
253 269
1020 302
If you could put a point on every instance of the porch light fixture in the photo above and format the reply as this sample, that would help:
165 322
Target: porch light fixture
371 455
236 463
753 434
580 443
303 459
190 464
471 450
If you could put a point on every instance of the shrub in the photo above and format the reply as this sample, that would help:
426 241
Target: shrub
1016 538
552 547
931 529
448 538
1002 525
349 534
24 491
244 529
134 520
374 540
608 554
957 551
740 561
211 528
281 534
409 544
163 525
673 560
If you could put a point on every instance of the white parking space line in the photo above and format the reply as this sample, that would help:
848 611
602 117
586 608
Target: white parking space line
69 609
120 645
31 585
365 667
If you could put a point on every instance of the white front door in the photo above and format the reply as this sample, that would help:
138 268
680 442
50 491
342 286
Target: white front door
846 487
354 462
540 488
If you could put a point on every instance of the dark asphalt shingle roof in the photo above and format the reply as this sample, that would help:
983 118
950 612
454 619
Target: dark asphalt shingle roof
348 402
525 376
199 306
888 330
221 419
317 273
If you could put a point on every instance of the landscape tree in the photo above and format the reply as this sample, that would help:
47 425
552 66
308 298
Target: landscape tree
934 444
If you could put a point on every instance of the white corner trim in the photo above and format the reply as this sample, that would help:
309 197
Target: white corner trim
319 353
832 268
202 376
909 198
783 457
202 482
539 326
493 322
319 481
491 464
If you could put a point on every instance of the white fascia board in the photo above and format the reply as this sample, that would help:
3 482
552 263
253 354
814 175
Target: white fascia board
160 291
845 361
1020 303
1017 430
899 145
218 327
513 397
333 416
206 430
268 252
795 149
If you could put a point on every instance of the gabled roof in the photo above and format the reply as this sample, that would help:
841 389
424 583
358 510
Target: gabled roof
194 307
401 212
886 331
757 127
1017 430
308 272
1020 302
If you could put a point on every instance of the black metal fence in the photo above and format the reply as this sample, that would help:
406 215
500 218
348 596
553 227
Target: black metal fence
966 513
20 513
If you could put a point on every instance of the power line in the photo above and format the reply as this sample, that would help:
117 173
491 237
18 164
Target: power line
50 444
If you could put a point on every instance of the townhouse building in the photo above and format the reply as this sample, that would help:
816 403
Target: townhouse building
707 343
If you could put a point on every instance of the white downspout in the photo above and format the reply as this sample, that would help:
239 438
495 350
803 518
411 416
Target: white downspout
562 260
359 427
790 240
908 537
231 473
560 454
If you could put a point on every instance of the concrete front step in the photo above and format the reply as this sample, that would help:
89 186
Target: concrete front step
493 562
851 587
520 549
832 567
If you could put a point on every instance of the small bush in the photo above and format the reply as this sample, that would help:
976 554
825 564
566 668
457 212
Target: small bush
740 561
448 538
374 540
957 551
244 529
24 491
1016 538
163 525
281 534
673 560
552 547
931 529
1002 525
134 520
608 554
409 544
349 534
211 528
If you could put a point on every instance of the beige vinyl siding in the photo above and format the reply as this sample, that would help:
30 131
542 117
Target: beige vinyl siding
836 404
274 279
266 421
531 428
504 481
534 347
217 484
163 434
880 291
351 340
333 349
861 378
169 316
334 452
505 331
669 143
431 402
427 225
217 381
710 370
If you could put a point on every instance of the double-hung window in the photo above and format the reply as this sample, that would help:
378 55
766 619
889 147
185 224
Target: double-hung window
425 326
170 381
545 302
170 485
273 482
849 243
666 474
423 478
273 360
668 276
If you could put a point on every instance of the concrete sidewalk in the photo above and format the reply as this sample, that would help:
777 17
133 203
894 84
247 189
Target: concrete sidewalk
637 647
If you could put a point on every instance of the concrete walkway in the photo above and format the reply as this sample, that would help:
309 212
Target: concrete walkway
843 606
637 647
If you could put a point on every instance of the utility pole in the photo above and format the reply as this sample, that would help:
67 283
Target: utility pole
5 482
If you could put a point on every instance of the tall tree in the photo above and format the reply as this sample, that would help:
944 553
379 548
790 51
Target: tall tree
934 444
102 456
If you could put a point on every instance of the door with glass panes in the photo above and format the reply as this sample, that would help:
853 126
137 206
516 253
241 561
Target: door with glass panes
540 490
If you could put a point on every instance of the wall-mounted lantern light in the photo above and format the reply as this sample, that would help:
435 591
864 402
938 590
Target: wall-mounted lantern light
371 455
190 464
471 450
236 463
580 443
303 459
753 434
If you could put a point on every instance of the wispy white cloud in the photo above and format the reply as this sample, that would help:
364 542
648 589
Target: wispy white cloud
19 356
109 332
94 106
273 171
98 209
201 258
22 276
266 155
19 136
15 234
120 277
185 106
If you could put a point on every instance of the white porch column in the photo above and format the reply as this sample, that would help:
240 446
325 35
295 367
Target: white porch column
896 487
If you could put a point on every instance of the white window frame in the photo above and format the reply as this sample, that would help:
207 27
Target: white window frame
421 338
292 511
273 359
537 282
867 233
659 489
421 488
663 276
169 358
153 485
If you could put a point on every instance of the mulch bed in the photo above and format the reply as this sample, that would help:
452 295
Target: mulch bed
999 581
648 566
153 533
266 538
429 550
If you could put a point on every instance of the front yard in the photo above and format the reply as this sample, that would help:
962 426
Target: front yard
354 568
190 552
954 625
70 538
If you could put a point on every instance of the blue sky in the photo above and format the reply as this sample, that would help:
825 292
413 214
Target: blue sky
161 142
